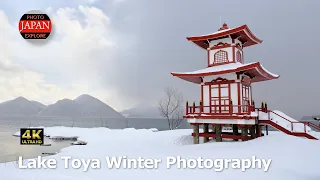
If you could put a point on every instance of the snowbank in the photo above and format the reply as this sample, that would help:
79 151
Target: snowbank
292 157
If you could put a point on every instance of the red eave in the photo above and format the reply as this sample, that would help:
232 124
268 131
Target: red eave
242 31
254 69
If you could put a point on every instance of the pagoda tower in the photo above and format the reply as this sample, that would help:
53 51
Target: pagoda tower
225 86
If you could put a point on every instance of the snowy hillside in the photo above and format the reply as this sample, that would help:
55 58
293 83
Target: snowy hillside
64 107
291 157
20 107
142 111
83 106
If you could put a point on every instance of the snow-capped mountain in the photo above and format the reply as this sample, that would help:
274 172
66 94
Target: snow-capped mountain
83 106
20 107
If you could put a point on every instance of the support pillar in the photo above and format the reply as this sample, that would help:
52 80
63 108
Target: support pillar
196 134
244 132
252 132
267 130
218 133
235 130
205 130
258 130
213 130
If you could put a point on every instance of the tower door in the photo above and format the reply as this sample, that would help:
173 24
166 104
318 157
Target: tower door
220 98
245 97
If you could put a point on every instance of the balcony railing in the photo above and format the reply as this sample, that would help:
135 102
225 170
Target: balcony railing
224 109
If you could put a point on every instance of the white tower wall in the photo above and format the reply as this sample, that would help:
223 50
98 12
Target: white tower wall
229 50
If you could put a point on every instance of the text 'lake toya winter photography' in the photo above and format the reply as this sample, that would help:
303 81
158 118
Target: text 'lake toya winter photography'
159 90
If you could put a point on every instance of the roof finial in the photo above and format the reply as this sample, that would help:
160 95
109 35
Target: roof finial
224 26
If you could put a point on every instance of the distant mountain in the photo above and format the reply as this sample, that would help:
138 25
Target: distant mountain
315 117
83 106
142 111
20 107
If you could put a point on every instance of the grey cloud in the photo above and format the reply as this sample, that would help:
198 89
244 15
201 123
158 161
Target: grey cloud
156 32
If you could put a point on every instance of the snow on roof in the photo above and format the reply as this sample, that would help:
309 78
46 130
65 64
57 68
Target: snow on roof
242 32
217 32
254 69
225 67
275 75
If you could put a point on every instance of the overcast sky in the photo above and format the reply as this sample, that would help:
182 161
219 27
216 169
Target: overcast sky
122 51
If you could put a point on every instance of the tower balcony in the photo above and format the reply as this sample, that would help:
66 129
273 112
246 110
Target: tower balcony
223 111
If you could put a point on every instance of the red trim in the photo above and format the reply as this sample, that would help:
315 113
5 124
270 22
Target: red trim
220 80
242 94
246 80
313 126
238 46
223 135
219 97
229 91
224 82
244 117
242 30
239 104
233 56
208 57
261 74
196 124
245 94
273 124
219 103
218 64
210 102
202 94
223 45
242 68
251 97
238 57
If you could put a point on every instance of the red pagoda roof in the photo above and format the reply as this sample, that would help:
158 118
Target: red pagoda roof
243 34
255 70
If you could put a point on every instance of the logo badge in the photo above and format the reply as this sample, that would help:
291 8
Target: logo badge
32 136
35 25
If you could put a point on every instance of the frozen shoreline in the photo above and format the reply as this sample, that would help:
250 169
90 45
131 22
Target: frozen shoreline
11 149
292 157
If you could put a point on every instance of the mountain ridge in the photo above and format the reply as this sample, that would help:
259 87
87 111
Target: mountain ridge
83 106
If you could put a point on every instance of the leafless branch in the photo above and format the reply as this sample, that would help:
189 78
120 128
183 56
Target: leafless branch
170 107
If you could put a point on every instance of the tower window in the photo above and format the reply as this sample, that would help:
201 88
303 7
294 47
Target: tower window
239 57
220 57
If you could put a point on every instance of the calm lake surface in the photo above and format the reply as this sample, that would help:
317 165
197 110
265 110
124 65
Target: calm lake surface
10 148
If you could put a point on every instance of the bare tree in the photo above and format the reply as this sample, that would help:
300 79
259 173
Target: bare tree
170 107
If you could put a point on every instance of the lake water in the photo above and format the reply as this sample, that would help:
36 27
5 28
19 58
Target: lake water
10 148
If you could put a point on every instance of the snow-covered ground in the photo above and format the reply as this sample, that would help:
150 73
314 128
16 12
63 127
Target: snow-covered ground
292 157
